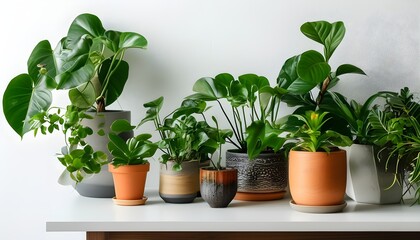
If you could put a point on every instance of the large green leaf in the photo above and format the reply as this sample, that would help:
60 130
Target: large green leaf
22 100
83 96
210 89
74 66
330 35
117 79
300 86
255 137
86 26
132 40
312 67
42 55
288 72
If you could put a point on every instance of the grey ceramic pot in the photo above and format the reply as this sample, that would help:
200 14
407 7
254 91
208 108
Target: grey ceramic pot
101 185
266 174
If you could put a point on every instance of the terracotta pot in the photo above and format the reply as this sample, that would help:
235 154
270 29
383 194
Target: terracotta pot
317 178
218 188
263 178
181 186
129 180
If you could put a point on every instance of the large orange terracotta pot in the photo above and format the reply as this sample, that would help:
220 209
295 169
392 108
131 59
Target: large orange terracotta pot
129 181
317 178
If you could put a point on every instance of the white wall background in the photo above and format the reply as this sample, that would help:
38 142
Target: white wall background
189 39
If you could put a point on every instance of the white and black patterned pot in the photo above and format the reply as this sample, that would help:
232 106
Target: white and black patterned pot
263 178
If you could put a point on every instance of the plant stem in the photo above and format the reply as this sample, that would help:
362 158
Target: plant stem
230 123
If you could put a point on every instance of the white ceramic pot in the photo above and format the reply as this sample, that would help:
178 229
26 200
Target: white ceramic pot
367 180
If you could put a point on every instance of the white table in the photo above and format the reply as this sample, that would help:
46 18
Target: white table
101 219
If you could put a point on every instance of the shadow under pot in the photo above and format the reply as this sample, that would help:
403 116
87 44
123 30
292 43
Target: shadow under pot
218 187
179 186
263 178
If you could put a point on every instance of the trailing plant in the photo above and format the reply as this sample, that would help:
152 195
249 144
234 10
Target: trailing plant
88 63
254 107
182 136
306 134
135 150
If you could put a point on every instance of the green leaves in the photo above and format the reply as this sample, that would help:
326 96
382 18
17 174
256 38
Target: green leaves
25 98
328 34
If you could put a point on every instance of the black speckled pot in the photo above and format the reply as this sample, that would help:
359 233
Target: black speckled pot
218 188
263 178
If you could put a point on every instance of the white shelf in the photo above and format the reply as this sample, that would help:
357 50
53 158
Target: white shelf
83 214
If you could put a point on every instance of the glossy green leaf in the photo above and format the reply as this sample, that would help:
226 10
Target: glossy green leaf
121 125
83 96
132 40
42 55
22 100
86 26
117 79
254 140
348 68
312 67
153 110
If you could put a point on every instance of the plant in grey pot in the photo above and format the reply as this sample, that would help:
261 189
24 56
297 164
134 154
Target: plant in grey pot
185 142
88 63
253 115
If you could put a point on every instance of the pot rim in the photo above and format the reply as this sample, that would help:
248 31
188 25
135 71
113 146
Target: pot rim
212 169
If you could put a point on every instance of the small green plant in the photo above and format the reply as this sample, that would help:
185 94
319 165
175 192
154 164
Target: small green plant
183 138
306 133
135 150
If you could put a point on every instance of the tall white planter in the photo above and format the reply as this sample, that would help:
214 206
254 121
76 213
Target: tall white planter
99 185
367 181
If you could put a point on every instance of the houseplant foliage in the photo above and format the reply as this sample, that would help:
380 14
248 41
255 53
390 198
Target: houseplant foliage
252 113
88 63
185 141
301 74
129 165
317 168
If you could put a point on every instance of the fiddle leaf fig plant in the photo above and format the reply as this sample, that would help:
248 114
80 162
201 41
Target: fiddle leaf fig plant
254 107
300 74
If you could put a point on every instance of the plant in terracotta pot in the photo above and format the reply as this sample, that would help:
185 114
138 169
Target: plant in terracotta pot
129 165
185 142
250 106
88 64
218 185
317 167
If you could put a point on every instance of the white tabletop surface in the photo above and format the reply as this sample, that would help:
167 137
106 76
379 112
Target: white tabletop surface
91 214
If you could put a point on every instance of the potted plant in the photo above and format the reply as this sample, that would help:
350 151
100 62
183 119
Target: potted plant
129 165
394 127
218 185
317 167
408 158
88 63
254 105
368 181
185 142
